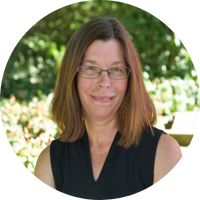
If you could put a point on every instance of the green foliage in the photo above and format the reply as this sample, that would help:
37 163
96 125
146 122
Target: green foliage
31 71
28 127
173 95
32 67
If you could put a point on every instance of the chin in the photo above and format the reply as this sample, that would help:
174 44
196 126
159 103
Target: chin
99 114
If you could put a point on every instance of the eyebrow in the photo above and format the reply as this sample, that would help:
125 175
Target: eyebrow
95 63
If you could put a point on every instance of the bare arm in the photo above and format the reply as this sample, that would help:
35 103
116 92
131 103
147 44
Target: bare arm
168 154
43 169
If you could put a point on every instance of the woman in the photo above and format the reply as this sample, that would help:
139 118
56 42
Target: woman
108 147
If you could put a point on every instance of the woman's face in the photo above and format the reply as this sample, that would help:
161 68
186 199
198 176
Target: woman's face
101 97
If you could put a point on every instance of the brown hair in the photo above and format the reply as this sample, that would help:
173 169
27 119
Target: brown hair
136 112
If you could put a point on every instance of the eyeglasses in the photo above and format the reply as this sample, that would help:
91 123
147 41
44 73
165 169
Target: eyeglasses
91 72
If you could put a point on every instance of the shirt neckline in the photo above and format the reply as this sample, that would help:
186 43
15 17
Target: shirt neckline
109 161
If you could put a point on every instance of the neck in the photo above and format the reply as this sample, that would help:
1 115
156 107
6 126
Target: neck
100 133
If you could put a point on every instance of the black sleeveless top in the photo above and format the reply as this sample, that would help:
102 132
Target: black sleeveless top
125 171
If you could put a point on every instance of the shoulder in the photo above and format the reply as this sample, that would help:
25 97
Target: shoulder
168 154
167 144
43 169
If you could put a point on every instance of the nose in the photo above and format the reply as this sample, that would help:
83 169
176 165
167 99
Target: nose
104 80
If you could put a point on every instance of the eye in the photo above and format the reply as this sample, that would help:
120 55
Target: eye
114 69
91 68
117 69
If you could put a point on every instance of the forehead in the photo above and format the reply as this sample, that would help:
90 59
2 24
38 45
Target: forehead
101 51
94 62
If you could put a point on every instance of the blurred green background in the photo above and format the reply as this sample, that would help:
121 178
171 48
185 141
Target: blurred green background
30 75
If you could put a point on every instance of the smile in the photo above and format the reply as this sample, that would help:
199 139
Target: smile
103 99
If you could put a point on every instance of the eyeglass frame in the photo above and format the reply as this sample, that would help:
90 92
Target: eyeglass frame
107 70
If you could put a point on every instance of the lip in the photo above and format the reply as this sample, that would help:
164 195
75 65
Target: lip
104 96
104 99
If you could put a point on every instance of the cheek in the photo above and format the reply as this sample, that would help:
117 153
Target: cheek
122 87
83 85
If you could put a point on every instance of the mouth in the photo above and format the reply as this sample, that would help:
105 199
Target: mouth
103 99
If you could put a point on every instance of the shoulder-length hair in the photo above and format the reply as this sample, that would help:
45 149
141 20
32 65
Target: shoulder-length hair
137 110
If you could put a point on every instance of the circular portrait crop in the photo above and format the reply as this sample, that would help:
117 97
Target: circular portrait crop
99 100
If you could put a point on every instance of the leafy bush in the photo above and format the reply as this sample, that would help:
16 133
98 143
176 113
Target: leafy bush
173 95
32 66
31 71
28 127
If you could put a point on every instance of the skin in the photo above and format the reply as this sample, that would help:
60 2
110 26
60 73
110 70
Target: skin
168 154
100 118
100 115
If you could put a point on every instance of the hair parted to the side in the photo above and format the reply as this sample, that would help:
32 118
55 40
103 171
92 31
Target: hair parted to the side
137 110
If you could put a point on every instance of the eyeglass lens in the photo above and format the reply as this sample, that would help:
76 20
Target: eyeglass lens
94 72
